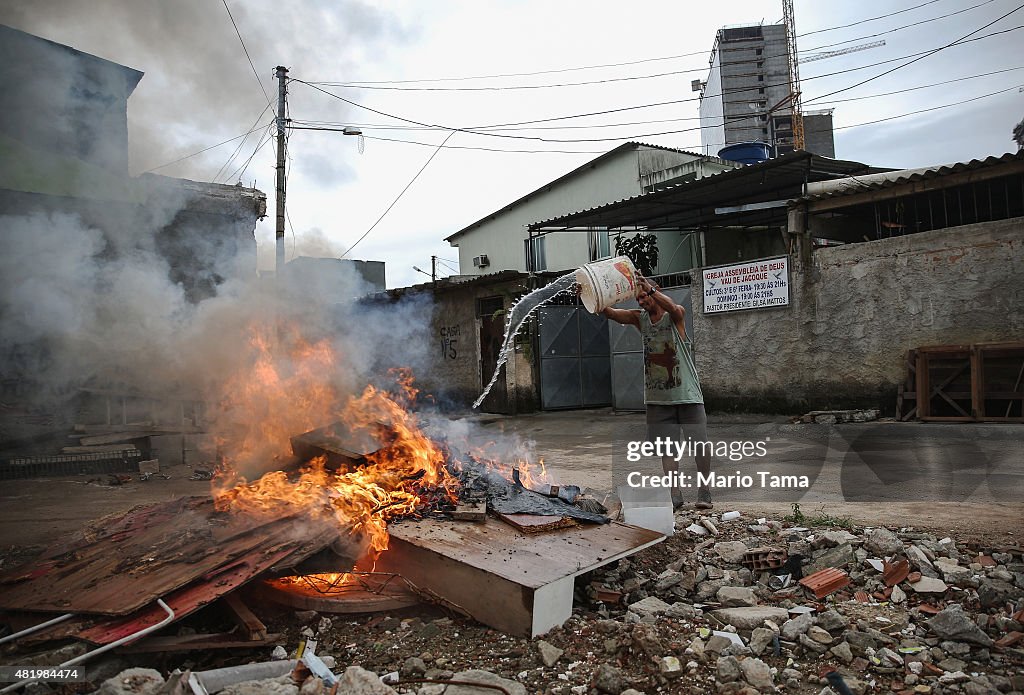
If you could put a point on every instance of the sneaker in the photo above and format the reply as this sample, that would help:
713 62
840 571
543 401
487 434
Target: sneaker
703 498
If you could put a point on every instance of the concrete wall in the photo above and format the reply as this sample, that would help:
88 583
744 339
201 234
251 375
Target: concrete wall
455 376
501 236
61 100
818 135
856 311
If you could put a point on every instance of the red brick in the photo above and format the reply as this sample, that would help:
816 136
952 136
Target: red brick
826 581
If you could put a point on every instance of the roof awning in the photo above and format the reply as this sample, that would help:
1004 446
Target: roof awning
736 197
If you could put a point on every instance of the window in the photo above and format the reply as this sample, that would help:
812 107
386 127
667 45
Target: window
535 258
488 306
760 51
599 244
760 78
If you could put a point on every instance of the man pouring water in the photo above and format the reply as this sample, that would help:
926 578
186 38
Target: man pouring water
675 404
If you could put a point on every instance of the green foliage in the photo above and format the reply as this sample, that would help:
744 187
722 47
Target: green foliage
821 518
642 249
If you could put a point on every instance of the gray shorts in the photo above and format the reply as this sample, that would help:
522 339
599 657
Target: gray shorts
683 421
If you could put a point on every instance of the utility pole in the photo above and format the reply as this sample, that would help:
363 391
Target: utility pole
282 74
433 268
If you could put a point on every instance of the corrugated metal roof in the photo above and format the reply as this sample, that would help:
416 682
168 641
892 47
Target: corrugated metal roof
693 202
634 144
852 185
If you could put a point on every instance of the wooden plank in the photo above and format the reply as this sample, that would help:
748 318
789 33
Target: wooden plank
923 390
977 383
251 626
184 601
148 552
189 643
112 438
470 512
535 523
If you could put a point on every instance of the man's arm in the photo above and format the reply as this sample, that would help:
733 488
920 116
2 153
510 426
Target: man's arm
624 316
676 312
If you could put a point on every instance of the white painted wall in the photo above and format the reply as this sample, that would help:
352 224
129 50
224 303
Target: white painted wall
501 235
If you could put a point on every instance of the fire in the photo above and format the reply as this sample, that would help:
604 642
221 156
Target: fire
291 396
282 389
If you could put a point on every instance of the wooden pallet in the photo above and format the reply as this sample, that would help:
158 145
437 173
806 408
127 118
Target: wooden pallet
980 382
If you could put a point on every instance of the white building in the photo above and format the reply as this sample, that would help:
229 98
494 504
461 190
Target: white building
500 240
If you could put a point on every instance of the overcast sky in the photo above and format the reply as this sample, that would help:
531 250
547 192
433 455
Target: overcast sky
199 90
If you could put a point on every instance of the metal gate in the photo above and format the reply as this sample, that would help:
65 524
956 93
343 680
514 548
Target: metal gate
575 364
627 354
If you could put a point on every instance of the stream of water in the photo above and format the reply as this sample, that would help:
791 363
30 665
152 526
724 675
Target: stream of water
517 316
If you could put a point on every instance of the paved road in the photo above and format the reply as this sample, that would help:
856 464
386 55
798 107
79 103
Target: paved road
889 472
947 477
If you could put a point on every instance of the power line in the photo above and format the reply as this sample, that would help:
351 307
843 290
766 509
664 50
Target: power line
695 147
246 51
611 80
870 19
933 108
484 130
383 126
240 145
910 62
449 147
631 62
399 196
264 139
901 28
205 149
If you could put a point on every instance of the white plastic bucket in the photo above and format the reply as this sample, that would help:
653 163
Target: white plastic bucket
606 283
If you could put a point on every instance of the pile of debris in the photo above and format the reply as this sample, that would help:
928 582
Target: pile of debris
743 606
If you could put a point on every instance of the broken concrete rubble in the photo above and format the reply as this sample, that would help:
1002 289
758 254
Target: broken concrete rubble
678 596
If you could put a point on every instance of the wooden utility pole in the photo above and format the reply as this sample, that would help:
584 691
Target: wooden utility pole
282 74
433 268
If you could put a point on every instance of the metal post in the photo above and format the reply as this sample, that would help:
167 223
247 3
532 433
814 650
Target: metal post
282 74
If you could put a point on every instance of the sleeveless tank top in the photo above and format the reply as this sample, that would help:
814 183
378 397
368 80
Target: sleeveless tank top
670 377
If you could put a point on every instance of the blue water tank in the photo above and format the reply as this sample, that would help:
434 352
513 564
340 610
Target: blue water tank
746 152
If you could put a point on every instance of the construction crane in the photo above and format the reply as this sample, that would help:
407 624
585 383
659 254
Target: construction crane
789 17
840 51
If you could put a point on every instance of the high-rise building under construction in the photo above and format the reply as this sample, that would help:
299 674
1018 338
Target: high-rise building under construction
747 97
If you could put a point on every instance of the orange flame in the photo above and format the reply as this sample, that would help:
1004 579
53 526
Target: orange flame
283 388
277 399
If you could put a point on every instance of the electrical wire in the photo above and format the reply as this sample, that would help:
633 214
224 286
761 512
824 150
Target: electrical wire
264 139
265 95
900 28
697 147
963 38
399 196
240 145
205 149
485 129
640 61
383 126
870 19
933 108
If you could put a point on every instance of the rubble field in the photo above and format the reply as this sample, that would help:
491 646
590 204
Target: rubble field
915 613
